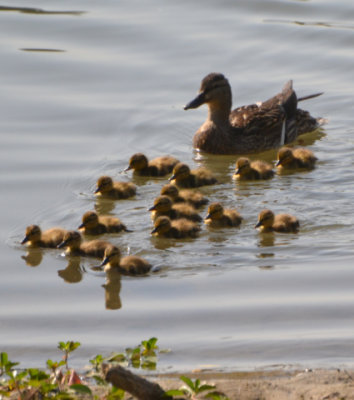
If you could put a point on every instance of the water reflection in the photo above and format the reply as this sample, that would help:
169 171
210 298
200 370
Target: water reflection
73 272
112 290
104 206
33 257
31 10
313 23
43 50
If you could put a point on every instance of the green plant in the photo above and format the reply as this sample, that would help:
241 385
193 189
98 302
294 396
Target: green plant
193 389
67 348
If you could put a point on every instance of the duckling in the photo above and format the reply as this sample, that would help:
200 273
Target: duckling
76 247
92 224
218 217
183 177
163 206
177 229
196 199
49 238
268 222
247 170
248 129
129 265
159 166
295 158
114 190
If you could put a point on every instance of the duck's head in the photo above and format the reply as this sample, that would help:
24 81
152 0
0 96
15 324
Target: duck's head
111 257
265 219
243 166
161 225
104 184
169 190
180 171
89 220
215 211
33 234
71 239
285 156
214 90
137 162
161 204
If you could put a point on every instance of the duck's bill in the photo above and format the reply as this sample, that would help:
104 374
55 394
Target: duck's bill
128 168
195 103
81 226
104 262
154 231
25 240
61 245
258 224
172 178
277 163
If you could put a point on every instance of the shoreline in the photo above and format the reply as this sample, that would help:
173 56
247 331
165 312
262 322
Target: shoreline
277 384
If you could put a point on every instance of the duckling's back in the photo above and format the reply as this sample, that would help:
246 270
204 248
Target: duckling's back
52 237
133 265
286 223
94 248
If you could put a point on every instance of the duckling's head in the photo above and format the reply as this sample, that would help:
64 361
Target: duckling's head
89 220
161 204
285 156
265 219
161 225
137 162
33 234
169 190
71 239
180 171
243 166
215 211
214 90
111 257
104 184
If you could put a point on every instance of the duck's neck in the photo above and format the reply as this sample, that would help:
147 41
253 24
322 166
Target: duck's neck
219 110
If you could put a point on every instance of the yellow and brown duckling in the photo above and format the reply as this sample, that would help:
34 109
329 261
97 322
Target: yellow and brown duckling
194 198
218 217
159 166
183 177
93 224
252 170
295 158
129 265
109 189
76 247
248 129
268 222
36 238
177 229
163 206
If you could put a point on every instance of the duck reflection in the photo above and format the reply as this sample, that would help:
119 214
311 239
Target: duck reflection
112 290
104 206
73 272
266 239
33 257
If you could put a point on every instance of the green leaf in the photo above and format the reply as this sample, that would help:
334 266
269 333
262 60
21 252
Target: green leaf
37 374
81 389
117 357
99 380
203 388
175 392
188 382
4 359
116 394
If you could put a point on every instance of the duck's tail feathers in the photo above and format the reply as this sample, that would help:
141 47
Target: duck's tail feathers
310 96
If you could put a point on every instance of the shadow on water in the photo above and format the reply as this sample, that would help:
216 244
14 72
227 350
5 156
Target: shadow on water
313 23
30 10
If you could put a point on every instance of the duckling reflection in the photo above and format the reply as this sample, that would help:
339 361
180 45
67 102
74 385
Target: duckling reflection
73 272
49 238
255 170
177 229
33 257
299 158
247 129
112 289
194 198
104 206
159 166
164 206
218 217
185 178
107 188
268 222
92 224
129 265
76 247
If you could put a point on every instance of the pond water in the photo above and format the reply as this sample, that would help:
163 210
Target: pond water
86 84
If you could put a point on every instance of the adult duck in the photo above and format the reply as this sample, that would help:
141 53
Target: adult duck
248 129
